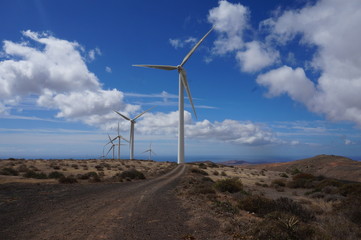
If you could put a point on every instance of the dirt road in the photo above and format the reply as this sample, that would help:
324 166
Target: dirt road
132 210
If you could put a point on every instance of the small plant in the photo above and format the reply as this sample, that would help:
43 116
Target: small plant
132 174
55 175
67 180
231 185
278 182
9 171
32 174
199 171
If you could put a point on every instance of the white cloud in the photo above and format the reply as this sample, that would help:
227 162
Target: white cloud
93 52
179 43
229 20
108 69
55 73
332 27
256 57
289 81
230 131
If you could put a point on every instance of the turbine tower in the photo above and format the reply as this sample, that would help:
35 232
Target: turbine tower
119 137
183 83
150 150
132 123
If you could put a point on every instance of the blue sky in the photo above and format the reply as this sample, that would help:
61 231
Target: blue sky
275 80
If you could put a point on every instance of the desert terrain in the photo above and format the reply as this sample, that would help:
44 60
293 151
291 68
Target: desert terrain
135 199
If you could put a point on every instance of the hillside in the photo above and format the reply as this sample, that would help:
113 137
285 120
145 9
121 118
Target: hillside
327 165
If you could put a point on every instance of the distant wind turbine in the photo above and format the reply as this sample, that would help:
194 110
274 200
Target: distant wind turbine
150 150
132 123
119 137
112 147
183 83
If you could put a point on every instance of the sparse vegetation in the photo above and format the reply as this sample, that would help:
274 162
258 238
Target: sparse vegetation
231 185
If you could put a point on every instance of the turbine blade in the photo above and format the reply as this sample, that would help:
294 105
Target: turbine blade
183 74
162 67
142 113
194 48
109 150
145 151
126 118
118 128
110 139
121 137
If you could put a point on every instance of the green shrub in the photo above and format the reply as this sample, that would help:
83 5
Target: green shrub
202 166
289 206
9 171
67 180
257 204
231 185
55 175
132 174
199 171
281 226
32 174
224 207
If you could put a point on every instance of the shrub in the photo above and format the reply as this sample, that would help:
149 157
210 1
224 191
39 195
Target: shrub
132 174
351 208
281 226
287 205
67 180
199 171
215 173
231 185
302 180
279 182
224 207
32 174
257 204
9 171
284 175
55 175
202 166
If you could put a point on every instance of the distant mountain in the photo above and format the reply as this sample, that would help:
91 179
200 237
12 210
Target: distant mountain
327 165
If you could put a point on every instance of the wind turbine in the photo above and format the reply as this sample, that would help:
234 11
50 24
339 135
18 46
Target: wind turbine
132 123
112 147
183 83
119 137
150 150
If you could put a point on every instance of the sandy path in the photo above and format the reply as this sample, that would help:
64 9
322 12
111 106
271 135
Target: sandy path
133 210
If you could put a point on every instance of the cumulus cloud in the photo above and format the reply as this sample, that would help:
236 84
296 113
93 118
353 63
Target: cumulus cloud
256 57
289 81
332 27
230 131
54 72
231 21
327 31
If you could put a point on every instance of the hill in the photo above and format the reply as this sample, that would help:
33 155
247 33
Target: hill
233 162
327 165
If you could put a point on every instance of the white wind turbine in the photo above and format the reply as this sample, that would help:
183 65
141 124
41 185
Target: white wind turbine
183 83
119 137
150 150
132 123
112 147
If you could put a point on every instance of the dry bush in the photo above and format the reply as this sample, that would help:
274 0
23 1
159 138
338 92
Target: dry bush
231 185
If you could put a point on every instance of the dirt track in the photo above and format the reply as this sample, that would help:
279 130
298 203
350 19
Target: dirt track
132 210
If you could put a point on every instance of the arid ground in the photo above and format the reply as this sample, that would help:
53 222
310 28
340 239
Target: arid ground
123 199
